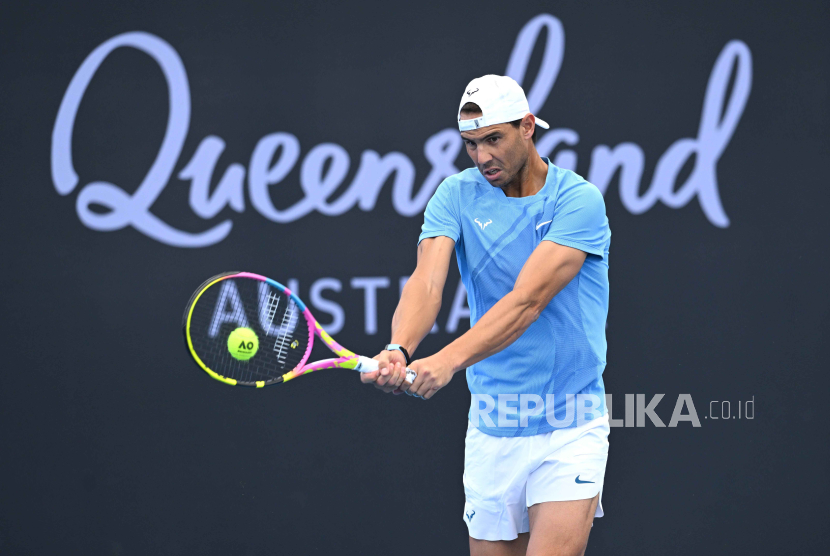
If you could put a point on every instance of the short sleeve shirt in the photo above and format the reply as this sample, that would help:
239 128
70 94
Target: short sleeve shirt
563 352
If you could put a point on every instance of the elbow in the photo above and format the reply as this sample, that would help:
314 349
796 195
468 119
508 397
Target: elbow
530 305
434 295
535 311
434 292
436 301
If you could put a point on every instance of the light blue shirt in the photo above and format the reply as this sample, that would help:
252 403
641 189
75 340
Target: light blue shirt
563 352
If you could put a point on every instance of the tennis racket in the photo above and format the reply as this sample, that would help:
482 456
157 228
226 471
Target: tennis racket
244 329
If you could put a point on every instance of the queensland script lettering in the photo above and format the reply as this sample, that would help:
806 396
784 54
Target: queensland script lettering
324 167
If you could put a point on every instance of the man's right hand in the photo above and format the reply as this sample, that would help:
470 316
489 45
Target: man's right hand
391 371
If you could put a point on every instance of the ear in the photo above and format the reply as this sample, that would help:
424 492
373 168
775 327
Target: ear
528 126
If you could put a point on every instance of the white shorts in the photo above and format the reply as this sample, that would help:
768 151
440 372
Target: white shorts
503 477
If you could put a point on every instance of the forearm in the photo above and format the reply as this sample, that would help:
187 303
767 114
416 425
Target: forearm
497 329
548 269
416 313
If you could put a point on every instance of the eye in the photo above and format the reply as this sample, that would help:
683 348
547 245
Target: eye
470 144
492 140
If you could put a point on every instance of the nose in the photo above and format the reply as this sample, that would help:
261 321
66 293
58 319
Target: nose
483 157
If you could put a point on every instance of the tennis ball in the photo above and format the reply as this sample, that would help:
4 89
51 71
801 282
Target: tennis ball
243 343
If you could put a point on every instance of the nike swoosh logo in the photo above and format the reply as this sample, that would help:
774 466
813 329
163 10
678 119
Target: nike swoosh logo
581 482
543 223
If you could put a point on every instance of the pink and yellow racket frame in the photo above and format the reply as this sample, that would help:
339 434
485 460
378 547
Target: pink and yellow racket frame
346 359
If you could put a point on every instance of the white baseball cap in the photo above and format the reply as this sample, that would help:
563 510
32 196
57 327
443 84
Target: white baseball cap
501 100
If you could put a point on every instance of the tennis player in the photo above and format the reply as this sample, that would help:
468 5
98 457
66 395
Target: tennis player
531 241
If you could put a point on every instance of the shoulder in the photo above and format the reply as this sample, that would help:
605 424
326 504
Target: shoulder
461 188
574 191
579 219
466 181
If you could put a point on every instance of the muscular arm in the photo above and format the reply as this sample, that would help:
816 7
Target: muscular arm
548 269
416 311
421 296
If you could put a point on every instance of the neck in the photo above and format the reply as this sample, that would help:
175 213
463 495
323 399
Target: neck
531 177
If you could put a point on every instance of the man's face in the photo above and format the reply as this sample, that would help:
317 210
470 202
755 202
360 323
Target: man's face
498 151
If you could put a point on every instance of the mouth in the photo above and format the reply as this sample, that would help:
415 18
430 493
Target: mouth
492 173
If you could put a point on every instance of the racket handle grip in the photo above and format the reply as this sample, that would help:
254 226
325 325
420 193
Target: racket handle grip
366 365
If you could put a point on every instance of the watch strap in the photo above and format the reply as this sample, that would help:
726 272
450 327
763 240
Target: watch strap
390 347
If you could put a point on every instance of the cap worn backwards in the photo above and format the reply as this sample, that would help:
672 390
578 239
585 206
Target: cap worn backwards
500 99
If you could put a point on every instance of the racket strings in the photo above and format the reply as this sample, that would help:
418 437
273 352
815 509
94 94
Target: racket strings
240 302
285 336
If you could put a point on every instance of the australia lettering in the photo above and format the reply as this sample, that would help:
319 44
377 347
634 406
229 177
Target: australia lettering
324 167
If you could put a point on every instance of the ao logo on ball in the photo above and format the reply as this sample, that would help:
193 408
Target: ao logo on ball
243 343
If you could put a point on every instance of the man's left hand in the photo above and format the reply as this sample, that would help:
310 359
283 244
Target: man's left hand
434 373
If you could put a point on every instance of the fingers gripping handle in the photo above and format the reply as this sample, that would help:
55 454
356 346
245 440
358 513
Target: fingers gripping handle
366 365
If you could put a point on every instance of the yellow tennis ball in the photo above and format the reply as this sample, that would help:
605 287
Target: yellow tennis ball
243 343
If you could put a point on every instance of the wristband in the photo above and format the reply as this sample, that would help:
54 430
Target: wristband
391 347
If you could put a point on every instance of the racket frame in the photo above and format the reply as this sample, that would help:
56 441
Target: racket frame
345 359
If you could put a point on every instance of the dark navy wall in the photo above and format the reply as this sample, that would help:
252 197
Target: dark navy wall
302 141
